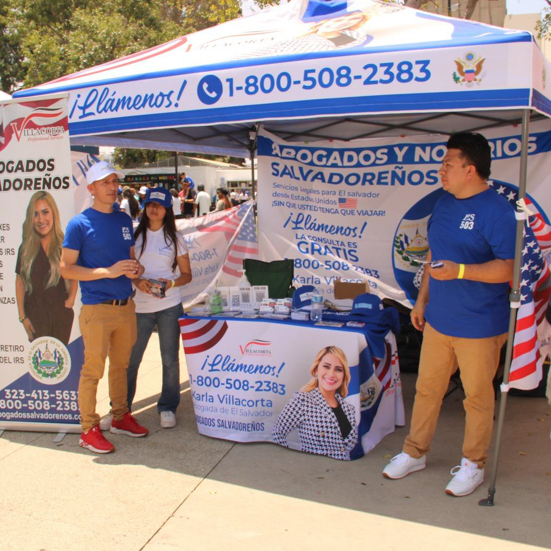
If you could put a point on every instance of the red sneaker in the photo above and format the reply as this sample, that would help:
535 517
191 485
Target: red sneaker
94 441
129 426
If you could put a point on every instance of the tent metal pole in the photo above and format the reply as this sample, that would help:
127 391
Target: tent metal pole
252 148
176 170
514 297
253 181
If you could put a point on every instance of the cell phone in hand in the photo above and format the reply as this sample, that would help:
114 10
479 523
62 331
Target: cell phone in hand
433 263
158 288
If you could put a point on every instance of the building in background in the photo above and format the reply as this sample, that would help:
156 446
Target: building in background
511 14
524 15
212 174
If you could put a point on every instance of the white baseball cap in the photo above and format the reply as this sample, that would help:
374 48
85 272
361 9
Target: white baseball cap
101 170
143 190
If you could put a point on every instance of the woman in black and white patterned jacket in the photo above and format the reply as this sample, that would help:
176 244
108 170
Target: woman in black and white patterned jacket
326 422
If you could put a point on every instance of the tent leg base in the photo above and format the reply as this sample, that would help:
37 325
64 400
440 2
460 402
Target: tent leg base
489 501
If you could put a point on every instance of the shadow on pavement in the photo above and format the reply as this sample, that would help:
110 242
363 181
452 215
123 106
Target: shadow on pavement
523 499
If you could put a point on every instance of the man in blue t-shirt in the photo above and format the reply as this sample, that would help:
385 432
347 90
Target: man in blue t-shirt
98 251
462 309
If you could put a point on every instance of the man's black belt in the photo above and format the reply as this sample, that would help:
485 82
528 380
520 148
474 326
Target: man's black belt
120 302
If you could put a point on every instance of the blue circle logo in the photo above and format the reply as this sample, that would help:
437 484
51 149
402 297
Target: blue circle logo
411 239
209 89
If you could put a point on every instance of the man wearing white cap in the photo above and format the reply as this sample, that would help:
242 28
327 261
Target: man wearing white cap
98 251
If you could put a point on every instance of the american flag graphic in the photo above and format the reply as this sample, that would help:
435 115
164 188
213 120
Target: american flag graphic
347 203
542 230
243 242
199 335
535 289
239 228
385 366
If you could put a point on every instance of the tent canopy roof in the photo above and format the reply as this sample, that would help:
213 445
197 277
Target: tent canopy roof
308 70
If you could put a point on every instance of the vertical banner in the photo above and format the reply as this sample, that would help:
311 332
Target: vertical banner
259 380
41 351
359 210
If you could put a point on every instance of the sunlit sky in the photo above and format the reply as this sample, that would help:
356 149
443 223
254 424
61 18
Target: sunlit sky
517 7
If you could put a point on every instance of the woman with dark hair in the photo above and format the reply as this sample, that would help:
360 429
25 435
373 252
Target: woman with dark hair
129 204
326 422
163 253
44 299
223 202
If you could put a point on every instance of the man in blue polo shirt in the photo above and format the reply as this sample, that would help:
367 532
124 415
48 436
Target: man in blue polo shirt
462 309
98 251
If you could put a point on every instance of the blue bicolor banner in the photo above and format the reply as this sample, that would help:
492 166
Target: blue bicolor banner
359 210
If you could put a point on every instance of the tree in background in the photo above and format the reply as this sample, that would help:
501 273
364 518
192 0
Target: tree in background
129 158
59 37
11 57
420 4
543 26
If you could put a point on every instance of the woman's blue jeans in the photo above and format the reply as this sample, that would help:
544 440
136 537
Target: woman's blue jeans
168 330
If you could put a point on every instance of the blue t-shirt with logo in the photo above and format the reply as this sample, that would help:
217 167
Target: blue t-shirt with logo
470 231
102 240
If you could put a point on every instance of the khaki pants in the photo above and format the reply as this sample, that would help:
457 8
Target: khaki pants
106 330
478 360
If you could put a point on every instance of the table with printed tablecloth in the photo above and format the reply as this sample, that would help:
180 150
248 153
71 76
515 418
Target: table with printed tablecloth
244 371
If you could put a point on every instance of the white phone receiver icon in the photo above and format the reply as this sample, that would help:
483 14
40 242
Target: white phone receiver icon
207 91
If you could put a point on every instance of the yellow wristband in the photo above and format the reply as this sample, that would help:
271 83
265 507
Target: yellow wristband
173 283
461 271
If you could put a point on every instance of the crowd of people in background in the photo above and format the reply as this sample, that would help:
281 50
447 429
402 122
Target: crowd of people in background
188 200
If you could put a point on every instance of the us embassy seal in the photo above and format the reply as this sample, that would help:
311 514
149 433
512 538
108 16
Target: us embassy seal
49 361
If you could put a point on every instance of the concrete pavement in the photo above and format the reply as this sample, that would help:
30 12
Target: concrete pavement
176 490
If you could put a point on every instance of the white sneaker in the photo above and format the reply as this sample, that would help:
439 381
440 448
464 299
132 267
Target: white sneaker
168 419
467 477
402 465
105 423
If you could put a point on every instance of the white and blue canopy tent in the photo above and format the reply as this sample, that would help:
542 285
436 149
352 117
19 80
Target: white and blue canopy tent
307 70
315 70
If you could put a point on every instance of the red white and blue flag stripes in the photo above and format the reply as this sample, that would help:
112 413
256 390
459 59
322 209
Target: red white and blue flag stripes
217 244
384 367
243 245
239 229
201 335
535 289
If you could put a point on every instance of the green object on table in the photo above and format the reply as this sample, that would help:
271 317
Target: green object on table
216 303
277 275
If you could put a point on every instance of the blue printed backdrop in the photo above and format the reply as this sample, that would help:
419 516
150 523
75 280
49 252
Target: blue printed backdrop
359 210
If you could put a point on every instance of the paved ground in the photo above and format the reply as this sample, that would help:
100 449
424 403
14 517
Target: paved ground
176 490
